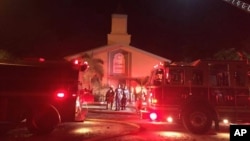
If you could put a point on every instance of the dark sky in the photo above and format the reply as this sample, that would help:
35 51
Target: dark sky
174 29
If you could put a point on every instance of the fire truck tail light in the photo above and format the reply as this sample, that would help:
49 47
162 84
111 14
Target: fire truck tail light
153 116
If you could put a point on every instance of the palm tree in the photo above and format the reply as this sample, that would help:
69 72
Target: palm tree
142 82
95 72
226 54
231 54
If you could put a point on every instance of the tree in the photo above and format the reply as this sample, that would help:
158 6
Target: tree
93 76
231 54
141 82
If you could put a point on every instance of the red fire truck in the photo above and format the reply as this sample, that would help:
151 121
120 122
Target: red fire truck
199 94
41 93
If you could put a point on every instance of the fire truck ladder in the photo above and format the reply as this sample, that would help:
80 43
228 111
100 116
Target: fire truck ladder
239 4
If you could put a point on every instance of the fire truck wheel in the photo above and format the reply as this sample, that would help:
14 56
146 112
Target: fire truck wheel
43 120
197 121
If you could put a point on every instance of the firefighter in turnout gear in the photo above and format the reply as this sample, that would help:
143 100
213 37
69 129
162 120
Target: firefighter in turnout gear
110 98
124 98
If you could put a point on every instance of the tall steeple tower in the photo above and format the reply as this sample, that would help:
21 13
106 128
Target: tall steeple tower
119 30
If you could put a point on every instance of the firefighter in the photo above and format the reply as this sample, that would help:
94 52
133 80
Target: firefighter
118 96
110 98
124 98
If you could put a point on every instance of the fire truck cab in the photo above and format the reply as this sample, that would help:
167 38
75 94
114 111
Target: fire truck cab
41 93
199 94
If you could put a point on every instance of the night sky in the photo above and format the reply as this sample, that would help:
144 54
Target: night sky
174 29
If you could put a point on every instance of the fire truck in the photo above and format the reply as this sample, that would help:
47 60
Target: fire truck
40 94
199 94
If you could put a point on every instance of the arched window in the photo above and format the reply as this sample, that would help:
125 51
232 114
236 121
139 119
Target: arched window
119 63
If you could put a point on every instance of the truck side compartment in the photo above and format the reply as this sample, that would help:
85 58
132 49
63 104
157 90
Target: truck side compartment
42 94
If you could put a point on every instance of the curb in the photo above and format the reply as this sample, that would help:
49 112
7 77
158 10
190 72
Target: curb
111 112
101 108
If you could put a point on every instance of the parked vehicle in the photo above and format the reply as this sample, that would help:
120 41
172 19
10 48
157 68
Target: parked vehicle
43 94
199 94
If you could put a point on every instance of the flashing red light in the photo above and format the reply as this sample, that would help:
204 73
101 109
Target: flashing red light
84 66
85 63
60 95
76 62
41 60
153 116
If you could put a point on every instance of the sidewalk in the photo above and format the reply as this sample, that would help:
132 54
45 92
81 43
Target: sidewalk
100 107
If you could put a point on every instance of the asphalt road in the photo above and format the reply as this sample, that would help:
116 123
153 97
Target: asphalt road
107 125
89 130
160 131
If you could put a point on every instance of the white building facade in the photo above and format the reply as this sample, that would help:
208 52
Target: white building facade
122 62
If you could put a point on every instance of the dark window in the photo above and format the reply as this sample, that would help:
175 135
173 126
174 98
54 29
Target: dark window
219 75
158 77
239 78
176 76
197 77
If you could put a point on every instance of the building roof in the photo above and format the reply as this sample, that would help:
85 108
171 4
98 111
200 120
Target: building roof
107 48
